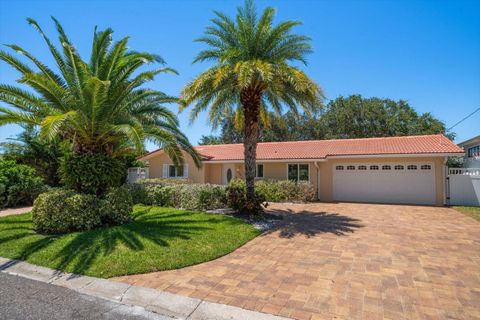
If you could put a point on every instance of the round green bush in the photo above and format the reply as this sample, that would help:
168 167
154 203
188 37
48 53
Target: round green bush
64 210
61 211
92 173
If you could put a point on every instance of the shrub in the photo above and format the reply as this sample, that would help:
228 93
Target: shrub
165 181
116 207
93 174
61 211
202 197
64 210
185 196
237 198
267 190
19 184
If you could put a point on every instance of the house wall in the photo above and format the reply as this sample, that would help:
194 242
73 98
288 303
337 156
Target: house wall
326 173
212 172
156 162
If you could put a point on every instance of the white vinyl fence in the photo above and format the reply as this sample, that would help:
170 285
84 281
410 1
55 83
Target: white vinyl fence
464 186
135 174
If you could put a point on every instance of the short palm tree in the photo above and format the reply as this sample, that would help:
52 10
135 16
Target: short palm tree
253 71
100 106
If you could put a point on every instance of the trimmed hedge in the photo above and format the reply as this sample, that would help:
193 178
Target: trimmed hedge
19 184
179 194
64 210
92 173
185 196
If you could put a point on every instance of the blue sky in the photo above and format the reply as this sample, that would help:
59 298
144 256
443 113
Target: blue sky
426 52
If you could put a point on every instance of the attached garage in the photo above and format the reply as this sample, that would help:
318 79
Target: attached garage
406 182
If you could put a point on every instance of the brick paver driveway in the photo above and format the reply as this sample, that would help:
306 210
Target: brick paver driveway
347 261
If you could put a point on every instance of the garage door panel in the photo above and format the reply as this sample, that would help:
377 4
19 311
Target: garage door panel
385 186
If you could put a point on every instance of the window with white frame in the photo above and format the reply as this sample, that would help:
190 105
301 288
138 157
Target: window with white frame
173 171
259 171
474 151
298 172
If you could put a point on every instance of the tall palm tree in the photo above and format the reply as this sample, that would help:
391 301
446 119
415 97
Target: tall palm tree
100 106
254 70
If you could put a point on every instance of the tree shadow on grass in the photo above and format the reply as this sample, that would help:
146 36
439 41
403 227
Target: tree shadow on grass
82 248
311 223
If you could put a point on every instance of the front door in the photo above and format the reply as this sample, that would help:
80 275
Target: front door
228 173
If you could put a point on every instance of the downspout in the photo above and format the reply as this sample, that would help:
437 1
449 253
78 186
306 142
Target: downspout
318 180
446 183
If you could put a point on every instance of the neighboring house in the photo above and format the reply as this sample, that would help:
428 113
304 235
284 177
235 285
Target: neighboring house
472 152
386 170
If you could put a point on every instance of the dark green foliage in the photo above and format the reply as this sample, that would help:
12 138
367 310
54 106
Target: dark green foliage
63 210
344 117
237 198
92 173
41 154
19 184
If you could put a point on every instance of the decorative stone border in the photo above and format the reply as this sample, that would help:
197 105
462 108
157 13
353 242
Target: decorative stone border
160 302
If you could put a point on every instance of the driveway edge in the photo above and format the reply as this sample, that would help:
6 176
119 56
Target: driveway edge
160 302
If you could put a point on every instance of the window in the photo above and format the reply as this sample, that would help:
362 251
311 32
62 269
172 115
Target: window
474 151
362 167
175 171
386 167
411 167
426 167
350 167
373 167
399 167
298 172
339 168
259 172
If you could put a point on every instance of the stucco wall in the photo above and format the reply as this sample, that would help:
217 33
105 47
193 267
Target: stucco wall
156 162
326 173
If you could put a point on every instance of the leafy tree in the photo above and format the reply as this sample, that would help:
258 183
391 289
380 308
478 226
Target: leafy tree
210 139
253 71
42 155
99 107
358 117
344 117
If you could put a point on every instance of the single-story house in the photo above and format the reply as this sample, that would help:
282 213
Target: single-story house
408 169
472 152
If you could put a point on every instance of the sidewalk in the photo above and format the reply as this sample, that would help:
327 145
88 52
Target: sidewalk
12 211
160 302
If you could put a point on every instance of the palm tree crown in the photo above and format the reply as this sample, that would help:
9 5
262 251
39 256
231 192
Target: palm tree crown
254 69
98 106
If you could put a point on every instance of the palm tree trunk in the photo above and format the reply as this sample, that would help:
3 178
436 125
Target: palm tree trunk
251 108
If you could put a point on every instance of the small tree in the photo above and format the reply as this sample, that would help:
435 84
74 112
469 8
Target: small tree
99 107
253 71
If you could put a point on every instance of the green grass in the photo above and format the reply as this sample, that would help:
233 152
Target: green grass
158 239
473 212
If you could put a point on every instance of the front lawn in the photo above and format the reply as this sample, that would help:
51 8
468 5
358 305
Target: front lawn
158 239
473 212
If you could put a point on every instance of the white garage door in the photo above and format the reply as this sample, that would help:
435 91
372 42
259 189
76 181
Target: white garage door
411 183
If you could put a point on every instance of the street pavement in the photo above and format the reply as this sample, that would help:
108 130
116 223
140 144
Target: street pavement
24 299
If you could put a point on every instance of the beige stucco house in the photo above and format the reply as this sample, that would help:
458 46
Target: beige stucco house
407 169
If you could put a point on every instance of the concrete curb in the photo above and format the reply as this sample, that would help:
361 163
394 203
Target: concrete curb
160 302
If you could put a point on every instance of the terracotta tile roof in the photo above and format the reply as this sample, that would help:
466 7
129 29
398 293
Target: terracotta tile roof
320 149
